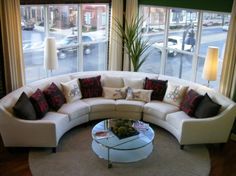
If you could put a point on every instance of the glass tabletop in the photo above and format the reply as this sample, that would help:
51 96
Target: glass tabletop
102 133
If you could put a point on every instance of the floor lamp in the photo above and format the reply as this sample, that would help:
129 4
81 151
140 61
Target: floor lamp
50 54
211 65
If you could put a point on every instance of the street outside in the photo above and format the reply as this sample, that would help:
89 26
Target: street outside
96 58
211 36
33 47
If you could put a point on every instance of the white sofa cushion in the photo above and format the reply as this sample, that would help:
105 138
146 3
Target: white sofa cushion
114 93
99 104
134 83
55 117
159 109
112 81
75 109
175 94
176 119
71 90
129 105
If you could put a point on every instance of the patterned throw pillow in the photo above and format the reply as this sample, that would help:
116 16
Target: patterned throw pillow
138 94
40 103
114 93
54 96
207 108
91 87
158 86
24 108
174 94
71 90
190 102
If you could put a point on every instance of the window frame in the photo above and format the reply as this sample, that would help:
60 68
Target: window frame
196 53
45 8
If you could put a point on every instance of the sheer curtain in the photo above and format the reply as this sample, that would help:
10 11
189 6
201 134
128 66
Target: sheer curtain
131 12
228 75
115 48
12 47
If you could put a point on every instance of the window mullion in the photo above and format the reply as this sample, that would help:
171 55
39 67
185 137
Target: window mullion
107 22
107 36
46 20
164 50
198 44
80 59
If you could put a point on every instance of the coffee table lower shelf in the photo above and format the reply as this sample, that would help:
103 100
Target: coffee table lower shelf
121 156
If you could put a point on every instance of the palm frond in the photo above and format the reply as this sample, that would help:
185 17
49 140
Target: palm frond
134 44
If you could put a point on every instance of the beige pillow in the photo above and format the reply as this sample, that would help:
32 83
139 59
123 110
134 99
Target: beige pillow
112 81
71 90
114 93
134 83
174 94
138 94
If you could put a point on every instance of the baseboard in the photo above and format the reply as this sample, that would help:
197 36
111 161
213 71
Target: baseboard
233 137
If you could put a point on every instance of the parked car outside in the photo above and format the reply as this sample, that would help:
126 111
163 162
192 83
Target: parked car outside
69 44
174 44
27 25
212 22
225 27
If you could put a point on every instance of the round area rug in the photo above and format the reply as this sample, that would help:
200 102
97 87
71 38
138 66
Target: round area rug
75 157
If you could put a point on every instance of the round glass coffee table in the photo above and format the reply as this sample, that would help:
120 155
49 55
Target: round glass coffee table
113 148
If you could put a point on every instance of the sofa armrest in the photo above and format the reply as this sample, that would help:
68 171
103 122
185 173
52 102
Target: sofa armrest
26 133
209 130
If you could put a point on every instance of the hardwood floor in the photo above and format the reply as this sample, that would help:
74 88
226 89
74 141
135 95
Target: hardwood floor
14 161
223 159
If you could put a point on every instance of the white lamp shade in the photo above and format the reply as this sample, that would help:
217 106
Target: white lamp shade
50 54
211 64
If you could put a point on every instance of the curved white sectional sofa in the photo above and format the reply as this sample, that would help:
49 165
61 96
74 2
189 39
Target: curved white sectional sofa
47 131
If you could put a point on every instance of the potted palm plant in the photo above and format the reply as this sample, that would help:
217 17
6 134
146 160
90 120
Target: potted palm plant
133 42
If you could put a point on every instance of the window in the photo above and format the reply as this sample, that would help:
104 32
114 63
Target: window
81 33
179 46
153 28
214 33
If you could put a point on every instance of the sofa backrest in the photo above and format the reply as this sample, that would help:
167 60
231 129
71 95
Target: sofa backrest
44 83
9 100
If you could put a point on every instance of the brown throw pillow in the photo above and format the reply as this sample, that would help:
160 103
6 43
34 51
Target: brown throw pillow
24 108
207 108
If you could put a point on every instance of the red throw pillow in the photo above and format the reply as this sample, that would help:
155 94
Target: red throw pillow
40 104
91 87
158 86
190 102
54 96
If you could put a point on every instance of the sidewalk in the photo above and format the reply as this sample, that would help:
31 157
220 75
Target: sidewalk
96 35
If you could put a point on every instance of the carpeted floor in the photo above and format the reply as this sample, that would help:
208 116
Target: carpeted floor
75 157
